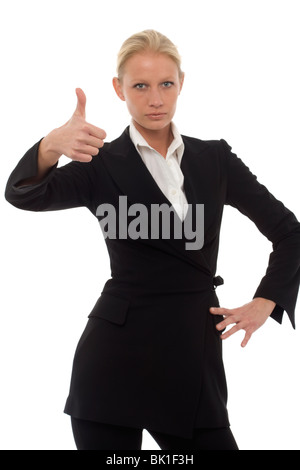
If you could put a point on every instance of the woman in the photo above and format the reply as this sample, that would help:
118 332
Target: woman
150 356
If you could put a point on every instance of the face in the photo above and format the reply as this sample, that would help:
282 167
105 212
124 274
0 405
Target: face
150 86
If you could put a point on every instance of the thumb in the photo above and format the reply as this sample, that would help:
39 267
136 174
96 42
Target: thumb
81 103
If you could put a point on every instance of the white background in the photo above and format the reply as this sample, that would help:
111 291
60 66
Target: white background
241 60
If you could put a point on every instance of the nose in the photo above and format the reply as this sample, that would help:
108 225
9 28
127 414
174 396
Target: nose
155 99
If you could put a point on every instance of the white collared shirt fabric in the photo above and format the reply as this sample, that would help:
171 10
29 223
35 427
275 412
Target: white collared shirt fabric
165 171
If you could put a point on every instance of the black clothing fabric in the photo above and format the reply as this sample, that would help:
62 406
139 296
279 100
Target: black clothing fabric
150 355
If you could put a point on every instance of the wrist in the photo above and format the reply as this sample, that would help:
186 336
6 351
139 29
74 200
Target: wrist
48 155
268 304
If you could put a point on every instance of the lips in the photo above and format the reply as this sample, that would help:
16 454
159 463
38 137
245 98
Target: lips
156 115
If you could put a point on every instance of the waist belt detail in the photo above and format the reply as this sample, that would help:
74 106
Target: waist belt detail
218 281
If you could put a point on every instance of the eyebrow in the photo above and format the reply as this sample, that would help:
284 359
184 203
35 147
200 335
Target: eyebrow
168 79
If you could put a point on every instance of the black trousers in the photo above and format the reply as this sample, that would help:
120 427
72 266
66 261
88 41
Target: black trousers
91 435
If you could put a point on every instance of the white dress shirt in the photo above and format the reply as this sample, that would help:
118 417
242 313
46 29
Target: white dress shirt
165 171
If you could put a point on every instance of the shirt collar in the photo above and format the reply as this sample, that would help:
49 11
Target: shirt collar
177 144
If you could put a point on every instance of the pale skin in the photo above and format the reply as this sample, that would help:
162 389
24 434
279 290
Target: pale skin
150 86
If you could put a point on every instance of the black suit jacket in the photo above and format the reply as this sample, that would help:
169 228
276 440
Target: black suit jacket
150 355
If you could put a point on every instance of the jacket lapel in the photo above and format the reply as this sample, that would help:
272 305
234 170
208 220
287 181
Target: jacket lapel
136 182
131 174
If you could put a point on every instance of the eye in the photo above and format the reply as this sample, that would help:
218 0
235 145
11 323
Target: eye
140 86
167 84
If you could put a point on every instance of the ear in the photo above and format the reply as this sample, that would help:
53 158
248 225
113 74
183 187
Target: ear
118 88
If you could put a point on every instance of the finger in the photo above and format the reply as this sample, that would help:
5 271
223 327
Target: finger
86 150
95 131
223 324
81 103
246 339
93 141
89 150
86 139
230 332
227 320
219 311
81 157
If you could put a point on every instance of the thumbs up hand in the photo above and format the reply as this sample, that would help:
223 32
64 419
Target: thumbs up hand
76 139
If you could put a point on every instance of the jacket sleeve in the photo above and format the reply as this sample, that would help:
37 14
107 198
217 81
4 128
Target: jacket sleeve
281 281
62 188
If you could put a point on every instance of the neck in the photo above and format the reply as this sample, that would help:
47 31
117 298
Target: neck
160 139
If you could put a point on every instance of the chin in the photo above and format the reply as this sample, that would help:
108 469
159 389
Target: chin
156 126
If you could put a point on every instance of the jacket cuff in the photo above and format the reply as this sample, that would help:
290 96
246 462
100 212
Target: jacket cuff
25 169
280 307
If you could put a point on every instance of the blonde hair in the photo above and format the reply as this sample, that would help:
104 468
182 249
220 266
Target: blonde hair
148 40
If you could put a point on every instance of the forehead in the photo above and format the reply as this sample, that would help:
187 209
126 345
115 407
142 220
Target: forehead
150 65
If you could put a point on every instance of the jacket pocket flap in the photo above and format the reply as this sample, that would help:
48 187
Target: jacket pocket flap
111 308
